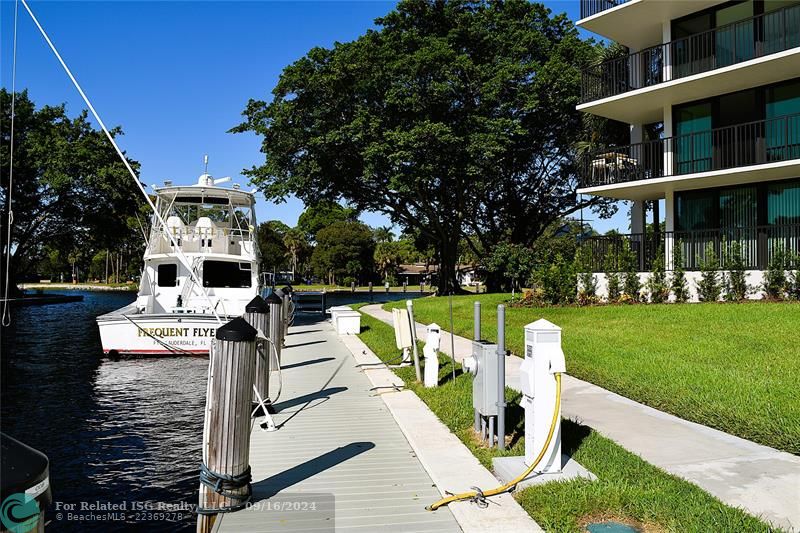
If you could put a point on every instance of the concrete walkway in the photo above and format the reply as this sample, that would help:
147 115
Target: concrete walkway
339 459
451 465
761 480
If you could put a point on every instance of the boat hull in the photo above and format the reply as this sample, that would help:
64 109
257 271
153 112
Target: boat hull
126 333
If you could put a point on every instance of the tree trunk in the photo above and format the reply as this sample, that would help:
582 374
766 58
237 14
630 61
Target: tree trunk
448 258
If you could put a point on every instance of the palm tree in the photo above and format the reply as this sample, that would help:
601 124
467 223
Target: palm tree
383 234
295 241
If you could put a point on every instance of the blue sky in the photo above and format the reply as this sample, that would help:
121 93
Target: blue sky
176 75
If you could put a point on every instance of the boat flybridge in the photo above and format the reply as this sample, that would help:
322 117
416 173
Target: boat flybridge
200 270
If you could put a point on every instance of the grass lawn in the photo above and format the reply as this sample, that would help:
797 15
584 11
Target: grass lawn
734 367
628 489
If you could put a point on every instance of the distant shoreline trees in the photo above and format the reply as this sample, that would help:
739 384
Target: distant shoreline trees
72 198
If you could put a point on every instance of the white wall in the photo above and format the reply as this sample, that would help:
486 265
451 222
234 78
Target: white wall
755 280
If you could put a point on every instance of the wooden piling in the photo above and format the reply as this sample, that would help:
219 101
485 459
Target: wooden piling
275 304
256 313
226 431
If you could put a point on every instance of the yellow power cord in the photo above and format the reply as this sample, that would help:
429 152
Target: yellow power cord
513 483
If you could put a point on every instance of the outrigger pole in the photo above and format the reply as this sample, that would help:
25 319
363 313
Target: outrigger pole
125 162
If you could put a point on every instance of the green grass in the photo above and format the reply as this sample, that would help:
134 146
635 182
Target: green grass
627 488
733 367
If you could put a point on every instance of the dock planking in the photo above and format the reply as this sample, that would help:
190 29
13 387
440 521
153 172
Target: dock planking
338 461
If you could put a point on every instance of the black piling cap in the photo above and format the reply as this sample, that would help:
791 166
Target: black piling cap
236 330
288 289
274 299
257 305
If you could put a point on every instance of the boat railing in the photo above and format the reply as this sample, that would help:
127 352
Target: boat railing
203 240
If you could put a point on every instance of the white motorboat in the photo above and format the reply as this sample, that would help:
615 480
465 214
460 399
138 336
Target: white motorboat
200 270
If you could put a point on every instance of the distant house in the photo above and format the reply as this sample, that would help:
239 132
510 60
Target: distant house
414 274
468 275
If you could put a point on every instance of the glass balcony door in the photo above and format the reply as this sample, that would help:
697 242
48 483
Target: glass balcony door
693 147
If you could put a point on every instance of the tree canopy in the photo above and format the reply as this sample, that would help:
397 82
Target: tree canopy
455 118
322 214
71 196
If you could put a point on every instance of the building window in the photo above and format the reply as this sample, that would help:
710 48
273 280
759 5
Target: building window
696 210
226 274
783 121
693 146
167 275
783 203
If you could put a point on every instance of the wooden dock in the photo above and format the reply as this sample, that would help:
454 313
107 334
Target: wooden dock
338 460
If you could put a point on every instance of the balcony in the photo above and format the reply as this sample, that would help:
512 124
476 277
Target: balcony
742 41
754 143
757 244
593 7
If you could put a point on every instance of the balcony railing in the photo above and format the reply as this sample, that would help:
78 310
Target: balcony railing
757 246
593 7
734 43
753 143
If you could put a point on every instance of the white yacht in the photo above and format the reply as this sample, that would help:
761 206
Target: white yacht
200 270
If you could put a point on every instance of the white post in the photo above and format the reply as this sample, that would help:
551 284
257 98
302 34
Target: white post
543 359
666 37
669 227
431 353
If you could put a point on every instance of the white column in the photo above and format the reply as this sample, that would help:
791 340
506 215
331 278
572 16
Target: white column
666 37
669 226
669 146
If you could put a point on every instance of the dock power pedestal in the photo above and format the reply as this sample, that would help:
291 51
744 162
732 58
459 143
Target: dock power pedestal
483 365
543 359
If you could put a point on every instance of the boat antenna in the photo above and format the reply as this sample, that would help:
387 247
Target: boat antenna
205 162
125 162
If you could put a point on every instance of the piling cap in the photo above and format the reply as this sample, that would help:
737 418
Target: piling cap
236 330
257 305
288 289
273 299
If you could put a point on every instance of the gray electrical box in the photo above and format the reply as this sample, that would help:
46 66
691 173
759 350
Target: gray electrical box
484 385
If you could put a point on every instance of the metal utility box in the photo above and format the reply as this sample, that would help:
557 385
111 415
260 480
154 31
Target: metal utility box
484 385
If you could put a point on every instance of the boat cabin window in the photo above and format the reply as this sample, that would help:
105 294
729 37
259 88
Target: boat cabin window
167 275
226 274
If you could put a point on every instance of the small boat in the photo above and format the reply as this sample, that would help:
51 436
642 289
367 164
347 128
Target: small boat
200 270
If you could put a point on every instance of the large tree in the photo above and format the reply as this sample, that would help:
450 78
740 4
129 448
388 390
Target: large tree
273 250
456 119
344 250
71 193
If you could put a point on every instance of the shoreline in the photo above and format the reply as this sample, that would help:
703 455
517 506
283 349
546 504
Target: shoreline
78 287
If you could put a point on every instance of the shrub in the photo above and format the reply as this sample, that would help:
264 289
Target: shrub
709 288
657 284
557 281
736 287
587 281
775 279
678 285
794 285
613 283
631 284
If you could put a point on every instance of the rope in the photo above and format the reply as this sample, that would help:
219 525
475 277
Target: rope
223 484
125 161
6 320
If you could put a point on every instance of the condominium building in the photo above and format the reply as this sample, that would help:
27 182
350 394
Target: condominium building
711 91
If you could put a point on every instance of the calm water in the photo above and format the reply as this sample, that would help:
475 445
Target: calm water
114 431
